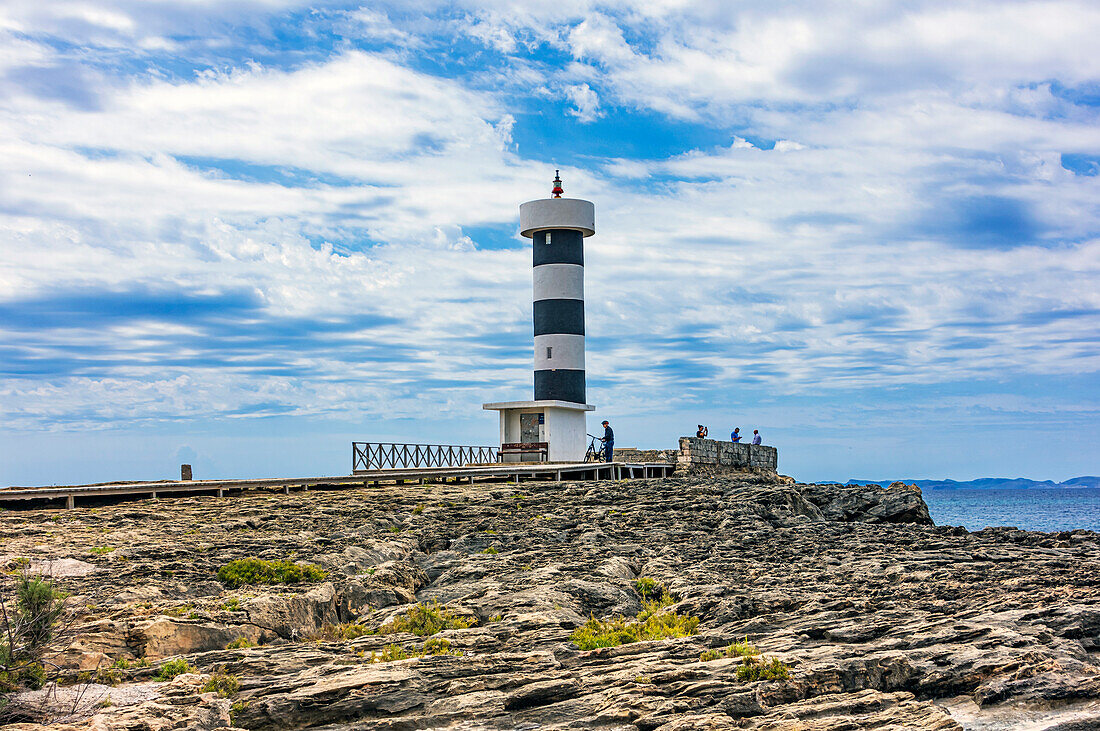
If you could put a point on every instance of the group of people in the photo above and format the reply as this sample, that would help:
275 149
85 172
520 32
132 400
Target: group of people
608 438
735 435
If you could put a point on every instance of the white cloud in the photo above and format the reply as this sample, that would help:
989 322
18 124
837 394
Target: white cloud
586 103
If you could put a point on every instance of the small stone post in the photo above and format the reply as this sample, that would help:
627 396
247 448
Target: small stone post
185 472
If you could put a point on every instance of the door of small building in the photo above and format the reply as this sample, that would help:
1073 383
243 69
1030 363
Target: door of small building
529 428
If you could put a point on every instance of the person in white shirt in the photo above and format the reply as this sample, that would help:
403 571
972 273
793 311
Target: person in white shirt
756 436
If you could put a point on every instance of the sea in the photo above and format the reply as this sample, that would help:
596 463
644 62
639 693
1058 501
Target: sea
1034 508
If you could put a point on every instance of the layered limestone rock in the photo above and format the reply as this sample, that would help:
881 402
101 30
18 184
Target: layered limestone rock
885 620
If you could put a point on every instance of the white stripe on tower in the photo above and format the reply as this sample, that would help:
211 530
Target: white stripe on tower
559 351
559 281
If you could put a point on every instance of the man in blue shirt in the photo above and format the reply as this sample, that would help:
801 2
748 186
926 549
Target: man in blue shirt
756 436
736 436
608 441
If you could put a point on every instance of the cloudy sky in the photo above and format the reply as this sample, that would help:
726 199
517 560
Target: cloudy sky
242 234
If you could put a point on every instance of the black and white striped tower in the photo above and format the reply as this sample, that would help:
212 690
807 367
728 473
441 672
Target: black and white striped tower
557 228
552 426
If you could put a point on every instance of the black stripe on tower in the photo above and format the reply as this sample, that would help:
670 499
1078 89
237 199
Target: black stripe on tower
565 247
559 317
560 385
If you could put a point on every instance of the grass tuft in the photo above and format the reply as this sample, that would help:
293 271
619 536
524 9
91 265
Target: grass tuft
647 586
256 571
425 619
172 668
389 653
431 648
754 668
240 643
222 683
654 622
236 710
735 649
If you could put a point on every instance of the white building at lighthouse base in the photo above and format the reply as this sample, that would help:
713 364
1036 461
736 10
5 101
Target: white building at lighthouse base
560 424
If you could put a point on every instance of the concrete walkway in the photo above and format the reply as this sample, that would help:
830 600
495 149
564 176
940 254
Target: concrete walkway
12 496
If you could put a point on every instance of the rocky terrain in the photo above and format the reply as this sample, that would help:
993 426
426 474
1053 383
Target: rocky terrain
884 620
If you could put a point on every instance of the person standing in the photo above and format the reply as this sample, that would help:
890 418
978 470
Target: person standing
735 437
701 432
756 436
608 441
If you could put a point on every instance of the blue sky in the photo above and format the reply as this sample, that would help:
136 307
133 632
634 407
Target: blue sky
243 234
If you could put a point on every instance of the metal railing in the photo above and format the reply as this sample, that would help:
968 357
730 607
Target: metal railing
381 455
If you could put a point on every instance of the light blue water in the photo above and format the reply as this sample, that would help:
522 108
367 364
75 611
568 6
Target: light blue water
1042 509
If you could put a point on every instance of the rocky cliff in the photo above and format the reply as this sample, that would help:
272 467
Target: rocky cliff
871 616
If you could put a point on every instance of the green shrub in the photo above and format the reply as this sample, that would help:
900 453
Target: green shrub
172 668
432 647
654 622
389 653
222 683
236 710
735 649
40 606
436 646
418 509
425 619
101 550
233 604
645 586
256 571
491 551
753 668
27 629
106 676
124 664
20 675
240 643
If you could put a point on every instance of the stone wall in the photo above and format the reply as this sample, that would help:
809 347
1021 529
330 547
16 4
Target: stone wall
633 454
710 453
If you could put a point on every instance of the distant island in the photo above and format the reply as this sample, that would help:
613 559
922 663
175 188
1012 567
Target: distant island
990 483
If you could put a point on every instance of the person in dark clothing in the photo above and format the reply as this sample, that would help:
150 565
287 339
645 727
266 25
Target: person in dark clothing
701 432
608 442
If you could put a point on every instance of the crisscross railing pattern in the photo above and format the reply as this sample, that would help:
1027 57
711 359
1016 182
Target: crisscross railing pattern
382 455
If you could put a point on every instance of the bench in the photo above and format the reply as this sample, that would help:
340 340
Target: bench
540 448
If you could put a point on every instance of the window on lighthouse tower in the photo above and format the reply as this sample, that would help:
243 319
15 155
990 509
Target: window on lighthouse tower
547 238
548 351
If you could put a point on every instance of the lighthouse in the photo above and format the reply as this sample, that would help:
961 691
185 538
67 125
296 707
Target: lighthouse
552 426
